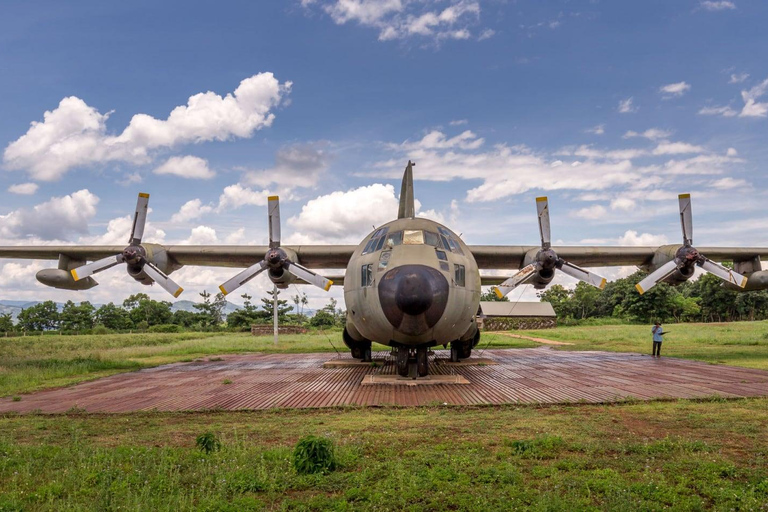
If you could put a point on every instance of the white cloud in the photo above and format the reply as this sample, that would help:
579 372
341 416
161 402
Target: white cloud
190 210
201 235
650 134
190 167
674 90
298 165
752 108
458 122
738 78
119 232
724 111
623 204
627 106
677 148
236 196
486 34
595 211
717 5
54 219
399 19
731 152
438 140
597 130
26 189
728 183
631 237
75 134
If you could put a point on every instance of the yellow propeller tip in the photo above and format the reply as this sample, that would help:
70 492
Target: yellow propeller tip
328 285
542 198
144 194
602 284
223 290
178 292
639 289
498 292
273 198
74 275
684 196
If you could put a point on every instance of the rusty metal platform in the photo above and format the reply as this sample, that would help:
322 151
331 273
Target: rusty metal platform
535 375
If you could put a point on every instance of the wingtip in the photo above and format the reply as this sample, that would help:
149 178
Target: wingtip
328 285
639 289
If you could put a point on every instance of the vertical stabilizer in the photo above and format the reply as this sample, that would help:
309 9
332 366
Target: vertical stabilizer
406 194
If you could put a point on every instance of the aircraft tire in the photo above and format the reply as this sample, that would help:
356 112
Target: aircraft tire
367 354
454 354
465 351
422 365
403 354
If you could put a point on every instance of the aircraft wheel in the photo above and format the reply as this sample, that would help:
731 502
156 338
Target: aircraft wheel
454 354
367 354
465 351
422 367
357 352
402 361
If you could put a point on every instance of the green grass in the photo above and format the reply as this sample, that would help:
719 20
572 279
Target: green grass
737 343
682 455
31 363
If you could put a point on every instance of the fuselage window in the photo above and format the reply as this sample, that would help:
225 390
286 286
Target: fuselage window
459 276
377 240
431 239
395 239
445 243
444 266
384 259
366 275
413 237
441 255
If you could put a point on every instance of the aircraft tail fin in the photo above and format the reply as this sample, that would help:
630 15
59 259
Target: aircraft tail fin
407 209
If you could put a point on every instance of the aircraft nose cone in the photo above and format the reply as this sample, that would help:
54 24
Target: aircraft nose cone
413 297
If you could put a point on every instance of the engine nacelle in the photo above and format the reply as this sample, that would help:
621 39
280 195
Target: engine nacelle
680 276
62 279
755 281
277 273
159 257
542 278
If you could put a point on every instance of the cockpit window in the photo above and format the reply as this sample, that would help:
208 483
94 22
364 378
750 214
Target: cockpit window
448 242
394 239
431 238
377 240
413 237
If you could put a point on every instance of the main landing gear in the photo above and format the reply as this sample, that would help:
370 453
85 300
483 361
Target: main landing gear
460 351
412 362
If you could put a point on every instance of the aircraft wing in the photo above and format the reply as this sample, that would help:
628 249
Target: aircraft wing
512 256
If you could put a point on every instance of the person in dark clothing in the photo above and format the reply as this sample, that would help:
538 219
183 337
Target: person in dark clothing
657 339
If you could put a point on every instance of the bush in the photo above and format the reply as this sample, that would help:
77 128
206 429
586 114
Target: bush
208 442
142 326
322 319
314 455
100 329
166 328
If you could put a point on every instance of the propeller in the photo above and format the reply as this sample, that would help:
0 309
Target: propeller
547 260
134 256
276 260
687 256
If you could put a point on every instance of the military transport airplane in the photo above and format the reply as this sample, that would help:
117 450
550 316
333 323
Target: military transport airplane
411 284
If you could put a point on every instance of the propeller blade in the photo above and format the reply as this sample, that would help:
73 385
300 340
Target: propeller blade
163 280
274 221
724 273
542 206
308 276
243 277
523 275
139 219
657 275
97 266
686 218
583 275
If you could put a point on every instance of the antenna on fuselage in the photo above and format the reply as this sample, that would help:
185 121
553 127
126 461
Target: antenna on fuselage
407 210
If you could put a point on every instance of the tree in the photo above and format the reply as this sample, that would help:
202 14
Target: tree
77 318
40 317
185 318
559 296
322 318
143 309
113 317
282 306
583 301
245 316
490 296
6 323
210 311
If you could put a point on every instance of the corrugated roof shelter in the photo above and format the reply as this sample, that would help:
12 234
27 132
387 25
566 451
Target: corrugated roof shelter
517 309
507 316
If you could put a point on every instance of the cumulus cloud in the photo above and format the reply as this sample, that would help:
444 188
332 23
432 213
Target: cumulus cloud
623 204
627 106
236 196
724 111
190 210
74 134
717 5
674 90
190 167
753 108
119 232
738 78
25 189
54 219
597 130
631 237
399 19
728 183
595 211
676 148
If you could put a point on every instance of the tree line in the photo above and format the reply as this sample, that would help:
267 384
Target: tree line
702 300
140 313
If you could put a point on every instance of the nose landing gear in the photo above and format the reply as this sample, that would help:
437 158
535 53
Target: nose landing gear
412 362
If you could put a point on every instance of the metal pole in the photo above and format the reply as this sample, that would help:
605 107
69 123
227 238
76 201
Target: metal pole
274 310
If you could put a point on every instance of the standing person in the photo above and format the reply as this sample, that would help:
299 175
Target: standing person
657 339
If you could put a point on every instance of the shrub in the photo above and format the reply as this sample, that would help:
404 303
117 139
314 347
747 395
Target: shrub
208 442
166 328
322 319
314 455
100 329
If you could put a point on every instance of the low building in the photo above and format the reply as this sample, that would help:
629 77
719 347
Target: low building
506 316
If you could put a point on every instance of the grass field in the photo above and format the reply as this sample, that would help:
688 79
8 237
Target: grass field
737 343
637 456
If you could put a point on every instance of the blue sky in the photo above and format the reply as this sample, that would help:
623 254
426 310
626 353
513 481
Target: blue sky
609 108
